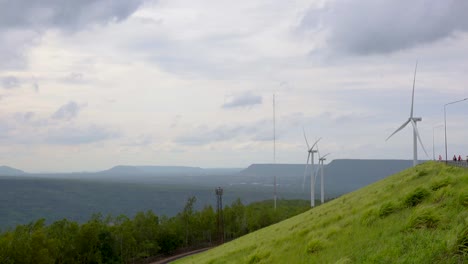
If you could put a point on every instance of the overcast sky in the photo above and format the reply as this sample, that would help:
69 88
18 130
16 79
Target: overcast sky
86 85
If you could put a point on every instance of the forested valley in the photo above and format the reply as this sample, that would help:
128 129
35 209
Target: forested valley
141 239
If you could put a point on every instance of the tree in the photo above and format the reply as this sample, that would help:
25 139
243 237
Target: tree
145 230
64 235
124 237
187 217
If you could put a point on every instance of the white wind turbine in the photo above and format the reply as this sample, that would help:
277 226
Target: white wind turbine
310 154
322 185
413 121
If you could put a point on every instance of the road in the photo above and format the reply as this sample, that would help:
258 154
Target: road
172 258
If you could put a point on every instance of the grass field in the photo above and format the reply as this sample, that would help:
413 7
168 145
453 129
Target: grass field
419 215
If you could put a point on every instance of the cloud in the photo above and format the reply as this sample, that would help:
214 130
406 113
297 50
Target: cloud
24 117
78 135
74 78
260 130
10 82
246 99
140 141
365 27
204 135
68 111
36 87
69 15
14 44
23 22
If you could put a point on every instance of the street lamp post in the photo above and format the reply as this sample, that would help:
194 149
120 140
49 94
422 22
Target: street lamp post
445 123
433 149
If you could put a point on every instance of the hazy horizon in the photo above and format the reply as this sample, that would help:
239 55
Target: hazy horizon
326 162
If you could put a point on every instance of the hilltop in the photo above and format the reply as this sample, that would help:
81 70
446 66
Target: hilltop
9 171
416 216
341 175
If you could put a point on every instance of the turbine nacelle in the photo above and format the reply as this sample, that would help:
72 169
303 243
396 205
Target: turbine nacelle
417 119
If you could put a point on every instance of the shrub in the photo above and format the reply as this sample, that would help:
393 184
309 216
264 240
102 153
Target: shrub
314 246
254 259
462 242
416 197
441 194
258 257
369 217
464 199
422 173
387 209
436 185
425 218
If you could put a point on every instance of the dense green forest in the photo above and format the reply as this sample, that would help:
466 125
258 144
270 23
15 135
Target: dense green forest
76 196
123 240
23 200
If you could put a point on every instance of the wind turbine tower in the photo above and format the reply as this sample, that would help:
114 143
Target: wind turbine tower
413 120
311 151
322 185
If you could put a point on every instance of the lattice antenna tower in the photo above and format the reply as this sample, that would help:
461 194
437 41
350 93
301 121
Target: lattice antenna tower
219 211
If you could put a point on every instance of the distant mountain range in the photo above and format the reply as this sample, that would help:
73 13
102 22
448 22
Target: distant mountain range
341 175
167 170
164 189
9 171
350 171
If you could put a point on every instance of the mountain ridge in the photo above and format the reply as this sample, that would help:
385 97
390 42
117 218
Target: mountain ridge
10 171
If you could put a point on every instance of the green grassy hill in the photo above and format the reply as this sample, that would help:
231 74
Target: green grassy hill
419 215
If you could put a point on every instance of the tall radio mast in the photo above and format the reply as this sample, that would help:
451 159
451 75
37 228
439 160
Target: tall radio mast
274 147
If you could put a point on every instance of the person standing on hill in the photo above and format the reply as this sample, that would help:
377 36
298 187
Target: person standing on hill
459 158
440 158
454 157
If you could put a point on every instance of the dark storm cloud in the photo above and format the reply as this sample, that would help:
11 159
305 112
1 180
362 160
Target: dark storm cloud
79 135
22 22
243 100
10 82
68 15
366 27
67 111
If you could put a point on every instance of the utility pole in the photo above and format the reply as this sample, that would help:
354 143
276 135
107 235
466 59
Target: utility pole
445 124
219 211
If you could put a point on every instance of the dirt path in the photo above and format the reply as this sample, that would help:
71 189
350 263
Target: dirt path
172 258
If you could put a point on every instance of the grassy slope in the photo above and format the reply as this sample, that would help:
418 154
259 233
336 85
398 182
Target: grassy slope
376 224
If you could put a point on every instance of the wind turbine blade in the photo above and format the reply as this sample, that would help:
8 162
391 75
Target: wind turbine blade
414 84
400 128
315 143
419 138
318 152
307 142
305 171
325 155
